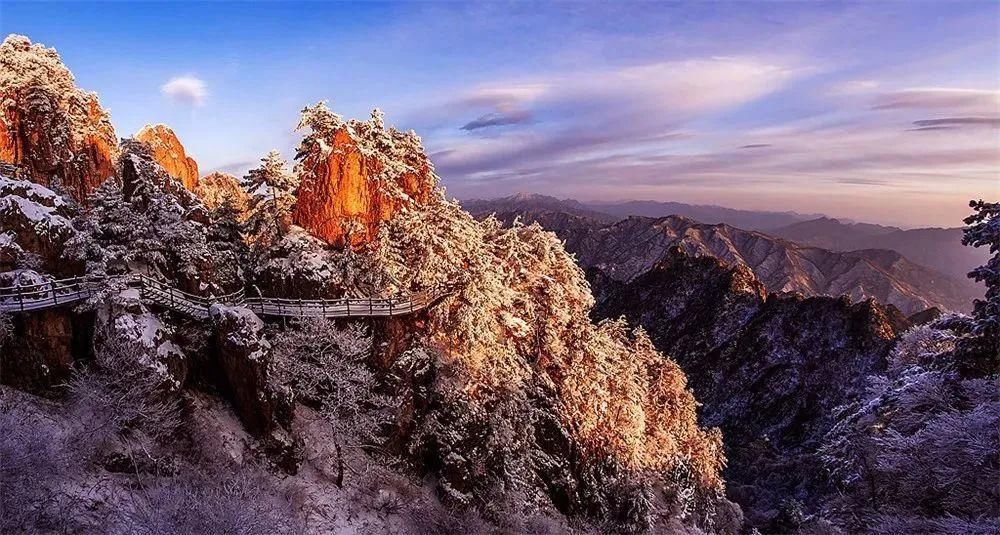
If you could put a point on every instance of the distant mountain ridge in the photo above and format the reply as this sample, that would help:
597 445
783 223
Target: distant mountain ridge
710 214
938 248
629 247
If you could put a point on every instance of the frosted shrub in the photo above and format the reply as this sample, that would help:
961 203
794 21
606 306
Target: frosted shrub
325 367
919 452
230 504
923 345
6 328
32 458
123 396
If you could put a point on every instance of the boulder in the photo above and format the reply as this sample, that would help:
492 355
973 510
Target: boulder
35 224
245 358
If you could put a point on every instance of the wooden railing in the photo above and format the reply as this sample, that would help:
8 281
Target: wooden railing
38 296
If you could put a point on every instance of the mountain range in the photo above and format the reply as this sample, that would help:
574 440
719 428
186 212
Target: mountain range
814 257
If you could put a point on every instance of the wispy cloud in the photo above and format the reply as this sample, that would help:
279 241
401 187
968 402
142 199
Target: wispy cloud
575 115
187 89
498 118
940 98
952 122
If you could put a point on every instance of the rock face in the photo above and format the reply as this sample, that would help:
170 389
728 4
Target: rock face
769 370
169 153
355 175
59 134
245 355
34 228
215 188
43 345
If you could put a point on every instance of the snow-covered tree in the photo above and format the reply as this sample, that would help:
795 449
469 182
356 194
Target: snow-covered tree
226 243
919 451
272 198
980 353
325 367
147 223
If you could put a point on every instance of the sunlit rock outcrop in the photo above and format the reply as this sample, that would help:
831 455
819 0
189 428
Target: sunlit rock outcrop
169 153
57 132
356 175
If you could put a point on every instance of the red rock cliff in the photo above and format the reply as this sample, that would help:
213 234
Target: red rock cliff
169 153
355 175
58 133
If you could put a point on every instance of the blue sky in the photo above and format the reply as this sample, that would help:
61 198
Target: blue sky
886 112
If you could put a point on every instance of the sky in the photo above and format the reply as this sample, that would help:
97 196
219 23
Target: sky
886 112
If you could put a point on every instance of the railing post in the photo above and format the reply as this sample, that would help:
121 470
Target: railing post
55 298
20 296
371 311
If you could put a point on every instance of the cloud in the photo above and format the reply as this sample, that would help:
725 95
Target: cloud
952 122
187 89
755 146
498 118
940 98
611 110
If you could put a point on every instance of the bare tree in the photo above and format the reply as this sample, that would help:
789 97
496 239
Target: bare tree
31 460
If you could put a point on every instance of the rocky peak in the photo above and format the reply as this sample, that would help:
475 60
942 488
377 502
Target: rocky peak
355 175
169 153
57 132
216 188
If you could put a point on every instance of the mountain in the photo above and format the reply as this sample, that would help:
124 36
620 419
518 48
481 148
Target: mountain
56 132
533 205
770 370
938 248
340 200
628 248
482 409
748 219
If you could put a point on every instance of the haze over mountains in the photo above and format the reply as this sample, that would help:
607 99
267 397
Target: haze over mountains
819 256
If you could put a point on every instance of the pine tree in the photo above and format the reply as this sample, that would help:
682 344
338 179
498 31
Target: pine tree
979 354
272 190
225 240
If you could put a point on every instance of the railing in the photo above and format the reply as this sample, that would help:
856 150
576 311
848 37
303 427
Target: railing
38 296
11 170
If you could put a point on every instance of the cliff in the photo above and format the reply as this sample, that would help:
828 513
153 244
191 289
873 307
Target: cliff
58 133
355 175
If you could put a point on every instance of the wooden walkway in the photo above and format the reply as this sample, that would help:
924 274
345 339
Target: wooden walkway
29 297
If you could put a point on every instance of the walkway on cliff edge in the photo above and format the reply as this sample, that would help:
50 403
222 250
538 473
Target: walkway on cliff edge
49 294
